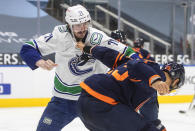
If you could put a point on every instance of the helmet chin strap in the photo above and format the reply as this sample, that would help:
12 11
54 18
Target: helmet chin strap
173 91
171 88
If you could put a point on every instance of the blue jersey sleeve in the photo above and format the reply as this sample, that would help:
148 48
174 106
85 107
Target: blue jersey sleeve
146 54
30 55
111 58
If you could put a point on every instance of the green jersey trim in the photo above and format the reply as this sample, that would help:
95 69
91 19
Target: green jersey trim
31 44
61 87
129 51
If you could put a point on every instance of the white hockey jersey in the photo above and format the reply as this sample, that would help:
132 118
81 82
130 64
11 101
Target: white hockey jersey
72 69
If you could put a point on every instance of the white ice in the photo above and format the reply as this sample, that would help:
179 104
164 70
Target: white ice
26 119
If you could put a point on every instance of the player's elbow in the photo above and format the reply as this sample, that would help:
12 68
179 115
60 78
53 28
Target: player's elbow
23 51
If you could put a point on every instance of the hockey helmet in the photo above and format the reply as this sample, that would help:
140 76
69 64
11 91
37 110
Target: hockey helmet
77 15
119 36
175 71
139 42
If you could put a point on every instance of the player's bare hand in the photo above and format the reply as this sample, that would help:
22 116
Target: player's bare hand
80 45
161 87
46 64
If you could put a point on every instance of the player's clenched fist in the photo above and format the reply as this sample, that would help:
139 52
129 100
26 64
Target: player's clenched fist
161 87
46 64
80 45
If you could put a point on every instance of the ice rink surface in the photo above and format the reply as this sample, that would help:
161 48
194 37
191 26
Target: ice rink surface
26 119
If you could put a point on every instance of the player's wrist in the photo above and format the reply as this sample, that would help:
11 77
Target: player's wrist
39 62
155 81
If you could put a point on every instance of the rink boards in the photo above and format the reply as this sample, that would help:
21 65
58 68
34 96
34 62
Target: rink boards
20 86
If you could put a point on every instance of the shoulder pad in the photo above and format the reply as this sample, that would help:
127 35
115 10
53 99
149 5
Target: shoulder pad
62 28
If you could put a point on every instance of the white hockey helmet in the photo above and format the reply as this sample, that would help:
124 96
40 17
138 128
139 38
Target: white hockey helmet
77 15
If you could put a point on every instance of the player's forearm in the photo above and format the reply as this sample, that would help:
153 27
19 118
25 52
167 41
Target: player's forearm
30 55
107 56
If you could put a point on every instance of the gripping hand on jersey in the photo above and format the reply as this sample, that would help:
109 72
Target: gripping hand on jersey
161 87
46 64
83 47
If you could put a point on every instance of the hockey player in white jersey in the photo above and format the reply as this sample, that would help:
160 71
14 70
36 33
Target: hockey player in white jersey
72 65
